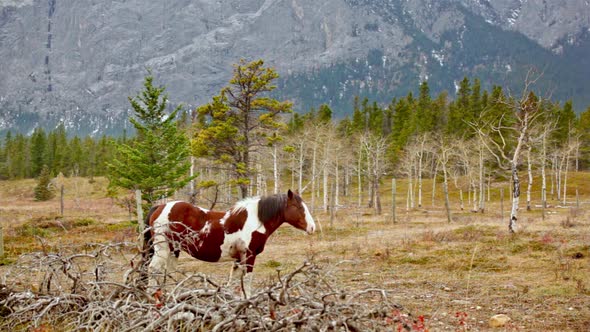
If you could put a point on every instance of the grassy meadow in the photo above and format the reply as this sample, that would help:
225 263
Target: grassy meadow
455 275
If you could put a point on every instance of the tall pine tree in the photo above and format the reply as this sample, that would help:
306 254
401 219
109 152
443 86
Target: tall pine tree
237 123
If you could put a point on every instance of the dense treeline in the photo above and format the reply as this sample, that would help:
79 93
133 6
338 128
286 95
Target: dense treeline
315 151
25 156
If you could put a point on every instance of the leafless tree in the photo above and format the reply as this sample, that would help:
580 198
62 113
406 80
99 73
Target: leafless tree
375 148
505 141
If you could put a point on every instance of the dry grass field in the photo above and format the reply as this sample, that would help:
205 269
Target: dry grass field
456 276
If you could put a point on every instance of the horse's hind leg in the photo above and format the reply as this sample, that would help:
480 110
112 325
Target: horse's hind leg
160 262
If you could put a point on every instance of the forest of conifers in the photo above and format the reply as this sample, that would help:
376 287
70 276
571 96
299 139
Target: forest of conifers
314 150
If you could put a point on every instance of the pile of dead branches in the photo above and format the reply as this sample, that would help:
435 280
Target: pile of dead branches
96 290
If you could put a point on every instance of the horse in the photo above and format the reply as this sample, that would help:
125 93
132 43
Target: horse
238 234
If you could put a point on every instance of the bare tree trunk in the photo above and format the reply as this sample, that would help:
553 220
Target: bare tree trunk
553 174
359 171
419 172
370 186
558 177
275 169
543 175
376 171
461 199
293 172
346 180
530 174
393 194
567 163
434 182
446 193
482 195
301 161
313 177
475 200
337 186
192 195
332 205
577 154
140 223
61 200
489 187
325 176
411 185
515 198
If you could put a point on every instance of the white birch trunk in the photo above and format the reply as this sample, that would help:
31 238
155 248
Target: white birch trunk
313 177
434 183
325 193
481 182
301 161
376 184
360 185
275 169
446 193
530 174
411 186
337 186
515 198
567 163
543 175
419 173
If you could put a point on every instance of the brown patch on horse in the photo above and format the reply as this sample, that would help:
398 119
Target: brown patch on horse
192 217
205 244
236 220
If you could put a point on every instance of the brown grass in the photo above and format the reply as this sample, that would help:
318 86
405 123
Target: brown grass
539 277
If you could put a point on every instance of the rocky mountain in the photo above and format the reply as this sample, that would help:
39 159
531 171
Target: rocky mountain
77 61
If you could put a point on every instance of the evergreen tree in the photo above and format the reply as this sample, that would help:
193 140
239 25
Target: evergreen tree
375 117
38 151
19 157
89 146
358 119
583 129
424 117
237 122
324 114
566 118
75 157
156 162
7 167
44 190
460 113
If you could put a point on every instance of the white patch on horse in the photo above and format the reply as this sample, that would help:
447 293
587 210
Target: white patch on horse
206 229
240 240
309 220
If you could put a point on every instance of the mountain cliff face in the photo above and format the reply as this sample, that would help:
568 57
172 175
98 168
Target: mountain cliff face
77 61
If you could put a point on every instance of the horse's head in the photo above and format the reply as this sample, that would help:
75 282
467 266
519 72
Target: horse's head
297 214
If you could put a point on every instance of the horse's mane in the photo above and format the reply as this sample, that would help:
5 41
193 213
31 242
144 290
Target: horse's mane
270 206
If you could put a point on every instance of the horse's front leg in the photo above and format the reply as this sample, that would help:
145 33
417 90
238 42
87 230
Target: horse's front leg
238 265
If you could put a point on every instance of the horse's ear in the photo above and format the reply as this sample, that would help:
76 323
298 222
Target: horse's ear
290 194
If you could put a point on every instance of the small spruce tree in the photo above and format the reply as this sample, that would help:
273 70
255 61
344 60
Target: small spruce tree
44 190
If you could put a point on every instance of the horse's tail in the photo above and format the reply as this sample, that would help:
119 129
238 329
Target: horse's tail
147 252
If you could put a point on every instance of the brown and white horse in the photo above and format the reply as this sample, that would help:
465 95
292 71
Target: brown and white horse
238 234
